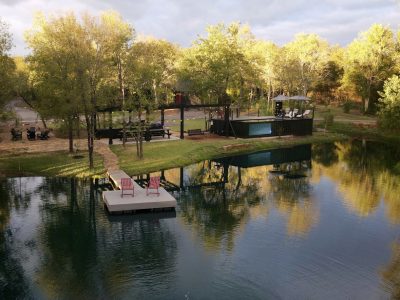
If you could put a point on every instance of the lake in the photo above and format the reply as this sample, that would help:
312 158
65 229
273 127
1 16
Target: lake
309 222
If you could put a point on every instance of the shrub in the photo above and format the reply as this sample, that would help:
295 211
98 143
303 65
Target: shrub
328 118
347 105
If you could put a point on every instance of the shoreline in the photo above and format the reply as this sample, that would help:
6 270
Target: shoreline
157 156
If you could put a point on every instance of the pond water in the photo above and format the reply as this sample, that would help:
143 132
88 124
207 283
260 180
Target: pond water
311 222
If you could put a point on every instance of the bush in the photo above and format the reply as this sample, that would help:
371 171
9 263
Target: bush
389 105
328 118
347 105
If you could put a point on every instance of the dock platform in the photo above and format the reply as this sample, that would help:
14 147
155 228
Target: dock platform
140 201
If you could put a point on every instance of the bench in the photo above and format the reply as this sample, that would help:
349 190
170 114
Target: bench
195 132
156 132
43 135
113 133
16 134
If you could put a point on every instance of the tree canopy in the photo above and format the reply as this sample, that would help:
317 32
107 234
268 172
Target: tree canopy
78 64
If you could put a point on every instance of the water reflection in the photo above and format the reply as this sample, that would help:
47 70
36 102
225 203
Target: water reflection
282 223
226 193
391 272
79 252
11 270
366 173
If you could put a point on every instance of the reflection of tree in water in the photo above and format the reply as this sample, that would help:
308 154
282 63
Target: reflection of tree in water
13 283
292 197
325 154
217 211
391 272
96 257
366 174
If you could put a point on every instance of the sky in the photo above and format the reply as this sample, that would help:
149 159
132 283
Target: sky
182 21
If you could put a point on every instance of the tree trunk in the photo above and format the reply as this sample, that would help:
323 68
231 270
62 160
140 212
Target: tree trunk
90 138
122 90
43 121
78 127
70 134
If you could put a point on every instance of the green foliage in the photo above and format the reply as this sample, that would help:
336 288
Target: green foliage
216 65
347 105
389 113
7 65
369 61
328 117
309 54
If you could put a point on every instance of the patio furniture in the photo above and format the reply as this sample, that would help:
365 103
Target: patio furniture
16 134
156 129
31 133
110 133
195 132
289 114
43 135
304 114
127 185
154 184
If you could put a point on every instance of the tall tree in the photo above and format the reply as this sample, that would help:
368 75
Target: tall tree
216 65
7 65
72 60
309 52
150 76
56 56
369 61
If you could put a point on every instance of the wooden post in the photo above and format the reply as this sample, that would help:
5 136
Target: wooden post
182 121
181 178
226 120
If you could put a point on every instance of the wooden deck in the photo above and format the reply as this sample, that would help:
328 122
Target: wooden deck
115 203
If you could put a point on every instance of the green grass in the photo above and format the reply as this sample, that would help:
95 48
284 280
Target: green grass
355 131
50 164
165 155
352 116
189 124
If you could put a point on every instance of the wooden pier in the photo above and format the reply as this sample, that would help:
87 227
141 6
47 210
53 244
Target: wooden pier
115 203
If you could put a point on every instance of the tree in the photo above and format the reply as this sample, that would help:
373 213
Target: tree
389 112
120 37
369 61
216 65
330 76
150 73
7 65
267 68
52 86
309 52
72 61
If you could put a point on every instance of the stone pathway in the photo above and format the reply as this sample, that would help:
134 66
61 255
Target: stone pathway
109 157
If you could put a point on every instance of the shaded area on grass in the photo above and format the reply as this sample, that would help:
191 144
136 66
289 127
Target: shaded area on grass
58 163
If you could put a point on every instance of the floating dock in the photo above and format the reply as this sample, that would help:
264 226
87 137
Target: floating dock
115 203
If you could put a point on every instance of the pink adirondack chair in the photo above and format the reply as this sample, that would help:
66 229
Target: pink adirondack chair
127 185
154 184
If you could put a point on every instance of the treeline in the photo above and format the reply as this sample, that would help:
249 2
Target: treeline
78 64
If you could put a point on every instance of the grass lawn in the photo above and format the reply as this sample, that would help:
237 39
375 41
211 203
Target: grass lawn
50 164
189 124
363 131
164 155
352 116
